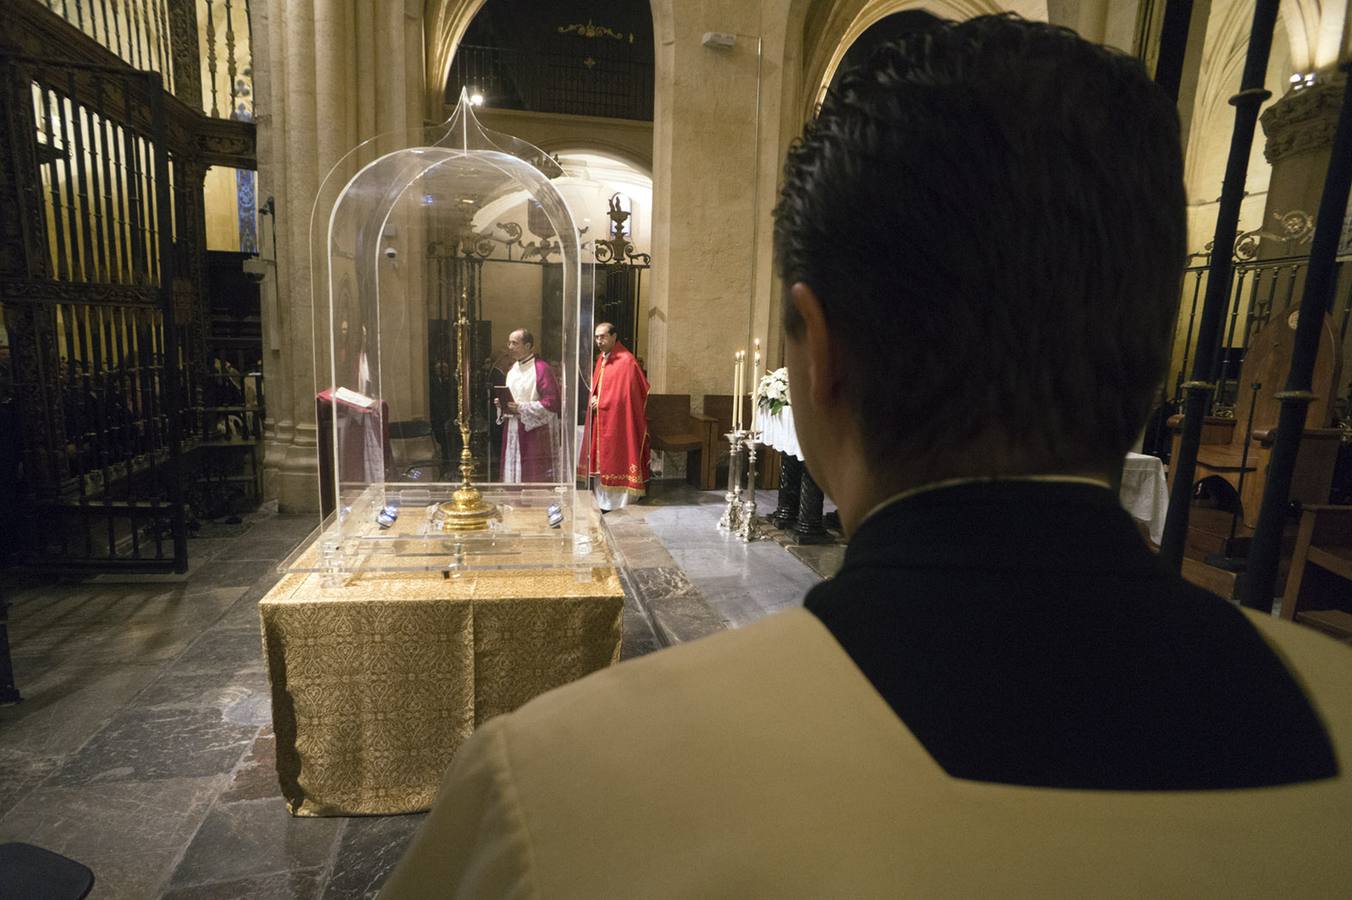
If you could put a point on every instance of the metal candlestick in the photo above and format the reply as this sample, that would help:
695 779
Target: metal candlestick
732 516
750 528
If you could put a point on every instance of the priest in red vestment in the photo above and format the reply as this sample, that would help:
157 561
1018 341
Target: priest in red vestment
615 449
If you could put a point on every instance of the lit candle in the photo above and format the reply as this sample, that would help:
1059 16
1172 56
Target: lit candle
737 396
737 377
755 389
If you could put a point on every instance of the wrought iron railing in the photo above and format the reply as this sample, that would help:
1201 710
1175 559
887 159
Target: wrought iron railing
1259 290
203 49
616 88
136 30
227 58
104 384
100 362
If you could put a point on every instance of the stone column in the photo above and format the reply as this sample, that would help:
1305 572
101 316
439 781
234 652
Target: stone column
1299 129
714 186
312 107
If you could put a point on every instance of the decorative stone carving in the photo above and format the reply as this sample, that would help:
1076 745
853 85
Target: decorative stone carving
1303 120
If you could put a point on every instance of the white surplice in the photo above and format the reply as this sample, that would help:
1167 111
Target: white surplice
530 415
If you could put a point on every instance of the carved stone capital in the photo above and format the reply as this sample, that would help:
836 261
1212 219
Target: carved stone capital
1303 120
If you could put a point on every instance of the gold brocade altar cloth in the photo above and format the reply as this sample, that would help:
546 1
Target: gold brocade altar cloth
377 681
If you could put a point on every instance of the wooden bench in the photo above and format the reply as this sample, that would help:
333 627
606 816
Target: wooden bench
673 428
1319 586
1223 452
719 406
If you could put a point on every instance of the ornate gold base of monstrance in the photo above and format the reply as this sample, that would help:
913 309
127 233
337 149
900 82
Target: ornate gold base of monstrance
466 510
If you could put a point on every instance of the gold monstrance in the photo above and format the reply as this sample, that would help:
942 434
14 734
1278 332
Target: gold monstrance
466 510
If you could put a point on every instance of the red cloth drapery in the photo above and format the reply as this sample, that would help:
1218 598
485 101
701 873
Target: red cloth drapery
616 443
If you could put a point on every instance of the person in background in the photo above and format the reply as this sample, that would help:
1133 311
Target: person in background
615 445
530 434
441 408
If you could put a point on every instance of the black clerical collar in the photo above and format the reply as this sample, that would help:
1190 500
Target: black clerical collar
1069 524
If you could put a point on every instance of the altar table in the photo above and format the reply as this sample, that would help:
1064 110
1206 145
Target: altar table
378 680
1145 492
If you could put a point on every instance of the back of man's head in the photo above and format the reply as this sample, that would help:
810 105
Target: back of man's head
991 214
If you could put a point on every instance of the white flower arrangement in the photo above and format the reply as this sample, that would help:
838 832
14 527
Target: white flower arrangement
774 391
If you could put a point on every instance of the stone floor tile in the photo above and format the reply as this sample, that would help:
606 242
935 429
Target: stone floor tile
64 705
242 615
264 583
103 644
129 834
823 559
637 637
729 560
654 585
254 837
226 573
159 743
686 617
256 777
267 549
242 697
136 626
202 690
203 548
303 884
20 773
225 650
367 853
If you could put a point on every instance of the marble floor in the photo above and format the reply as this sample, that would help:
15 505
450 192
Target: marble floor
143 746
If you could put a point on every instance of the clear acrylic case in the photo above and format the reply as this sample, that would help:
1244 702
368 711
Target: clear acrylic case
428 249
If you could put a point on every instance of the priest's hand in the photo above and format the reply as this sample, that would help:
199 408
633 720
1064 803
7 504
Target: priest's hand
511 408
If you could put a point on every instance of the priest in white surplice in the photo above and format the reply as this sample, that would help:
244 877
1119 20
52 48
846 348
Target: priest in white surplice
530 434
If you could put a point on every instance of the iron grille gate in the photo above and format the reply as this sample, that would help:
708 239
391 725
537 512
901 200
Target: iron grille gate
94 210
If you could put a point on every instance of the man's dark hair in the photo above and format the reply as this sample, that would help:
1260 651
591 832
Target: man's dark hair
526 336
992 215
610 329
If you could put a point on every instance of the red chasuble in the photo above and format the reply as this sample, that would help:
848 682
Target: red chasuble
616 444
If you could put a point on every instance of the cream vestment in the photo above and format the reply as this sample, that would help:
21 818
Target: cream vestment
761 763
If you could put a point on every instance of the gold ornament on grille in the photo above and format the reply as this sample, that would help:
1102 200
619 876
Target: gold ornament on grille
466 510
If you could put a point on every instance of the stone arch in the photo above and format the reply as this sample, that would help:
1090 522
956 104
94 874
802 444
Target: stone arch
1314 31
615 151
444 24
831 26
1212 118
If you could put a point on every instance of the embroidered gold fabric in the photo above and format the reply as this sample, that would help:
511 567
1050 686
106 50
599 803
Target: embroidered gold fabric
377 681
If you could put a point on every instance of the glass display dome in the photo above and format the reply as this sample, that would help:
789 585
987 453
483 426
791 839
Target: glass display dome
448 329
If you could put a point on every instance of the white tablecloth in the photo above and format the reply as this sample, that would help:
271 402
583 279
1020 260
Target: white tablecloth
1145 492
777 432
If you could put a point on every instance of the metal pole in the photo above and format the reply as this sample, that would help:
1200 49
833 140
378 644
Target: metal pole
1244 462
1260 579
1250 97
165 236
1173 45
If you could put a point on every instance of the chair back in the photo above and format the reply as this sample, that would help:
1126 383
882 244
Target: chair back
411 441
1268 361
719 406
668 413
